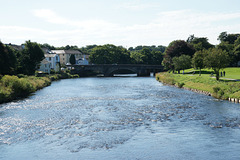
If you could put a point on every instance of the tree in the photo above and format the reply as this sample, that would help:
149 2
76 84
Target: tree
157 57
216 59
137 57
198 60
224 45
182 62
30 58
230 38
236 51
222 37
8 60
72 59
146 56
109 54
176 49
179 47
199 43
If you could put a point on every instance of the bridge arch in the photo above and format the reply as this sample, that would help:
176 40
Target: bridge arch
111 71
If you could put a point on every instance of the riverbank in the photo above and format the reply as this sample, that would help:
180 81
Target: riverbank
223 89
21 86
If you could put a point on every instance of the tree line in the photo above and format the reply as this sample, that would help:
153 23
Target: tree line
195 52
199 53
24 60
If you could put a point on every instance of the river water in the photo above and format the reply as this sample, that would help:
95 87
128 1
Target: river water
119 118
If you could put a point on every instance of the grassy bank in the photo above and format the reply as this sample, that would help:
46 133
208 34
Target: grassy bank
226 88
15 87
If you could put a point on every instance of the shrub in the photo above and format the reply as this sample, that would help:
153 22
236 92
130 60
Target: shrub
180 85
21 75
5 94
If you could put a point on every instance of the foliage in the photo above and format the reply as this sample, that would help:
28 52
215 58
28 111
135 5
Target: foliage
109 54
159 48
182 62
199 43
12 87
216 59
198 60
72 59
176 49
146 56
30 58
229 38
88 49
8 59
48 46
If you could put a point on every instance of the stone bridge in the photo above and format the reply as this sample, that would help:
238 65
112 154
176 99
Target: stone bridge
108 70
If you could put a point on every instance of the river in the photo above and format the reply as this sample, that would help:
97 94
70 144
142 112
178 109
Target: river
119 118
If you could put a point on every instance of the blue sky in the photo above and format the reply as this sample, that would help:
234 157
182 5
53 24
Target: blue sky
119 22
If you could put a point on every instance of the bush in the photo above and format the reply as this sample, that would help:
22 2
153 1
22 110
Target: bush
5 94
12 87
180 85
19 86
21 76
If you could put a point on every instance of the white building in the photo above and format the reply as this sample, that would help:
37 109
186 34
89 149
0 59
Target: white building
54 60
45 66
64 55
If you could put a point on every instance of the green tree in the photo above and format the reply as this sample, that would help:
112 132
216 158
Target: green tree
109 54
199 43
236 51
198 60
157 57
229 48
230 38
72 59
182 62
176 49
216 59
30 58
147 56
7 60
137 57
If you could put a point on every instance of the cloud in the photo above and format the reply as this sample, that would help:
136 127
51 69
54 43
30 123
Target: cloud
49 16
136 6
161 30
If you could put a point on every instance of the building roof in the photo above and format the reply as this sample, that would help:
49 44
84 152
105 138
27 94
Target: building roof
50 55
17 47
44 61
66 52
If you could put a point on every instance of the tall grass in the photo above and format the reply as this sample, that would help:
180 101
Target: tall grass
12 87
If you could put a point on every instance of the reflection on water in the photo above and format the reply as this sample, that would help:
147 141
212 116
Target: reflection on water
118 118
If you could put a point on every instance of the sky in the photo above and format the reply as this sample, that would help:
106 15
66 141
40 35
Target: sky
126 23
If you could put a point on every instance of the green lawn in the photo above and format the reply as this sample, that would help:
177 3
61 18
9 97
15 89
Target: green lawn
225 88
231 72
